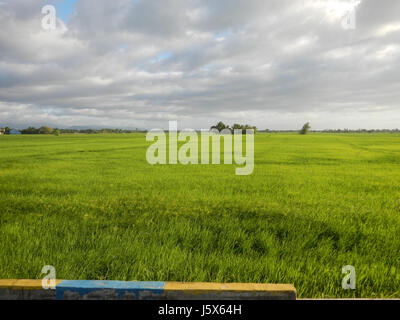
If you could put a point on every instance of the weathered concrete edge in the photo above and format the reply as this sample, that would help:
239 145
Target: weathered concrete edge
143 290
20 289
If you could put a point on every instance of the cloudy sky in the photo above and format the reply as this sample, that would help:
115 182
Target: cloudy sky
139 63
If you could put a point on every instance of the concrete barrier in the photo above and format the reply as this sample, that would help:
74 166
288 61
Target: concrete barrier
143 290
15 289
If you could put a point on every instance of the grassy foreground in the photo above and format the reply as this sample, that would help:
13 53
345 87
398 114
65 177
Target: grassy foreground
91 206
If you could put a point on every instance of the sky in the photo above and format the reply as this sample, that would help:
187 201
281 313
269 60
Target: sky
275 64
64 9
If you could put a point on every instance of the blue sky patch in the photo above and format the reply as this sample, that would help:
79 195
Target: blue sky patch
65 9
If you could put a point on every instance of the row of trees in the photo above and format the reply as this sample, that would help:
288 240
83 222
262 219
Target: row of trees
221 126
361 130
41 130
56 131
306 128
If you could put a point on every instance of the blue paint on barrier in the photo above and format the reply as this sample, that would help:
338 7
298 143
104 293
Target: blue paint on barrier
117 289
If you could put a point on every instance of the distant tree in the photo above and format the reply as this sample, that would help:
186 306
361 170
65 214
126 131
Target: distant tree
220 126
46 130
305 128
7 130
30 130
56 132
236 126
244 127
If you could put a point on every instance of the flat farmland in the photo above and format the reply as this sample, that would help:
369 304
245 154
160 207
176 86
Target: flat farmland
91 206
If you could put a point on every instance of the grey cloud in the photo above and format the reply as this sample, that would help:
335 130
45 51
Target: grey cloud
141 63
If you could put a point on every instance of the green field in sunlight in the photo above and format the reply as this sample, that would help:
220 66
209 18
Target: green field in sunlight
91 206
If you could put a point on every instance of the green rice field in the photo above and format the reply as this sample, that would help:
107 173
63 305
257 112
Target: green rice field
91 206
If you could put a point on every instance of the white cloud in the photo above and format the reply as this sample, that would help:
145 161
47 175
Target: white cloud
274 64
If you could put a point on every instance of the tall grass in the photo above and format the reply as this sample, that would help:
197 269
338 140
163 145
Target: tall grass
91 206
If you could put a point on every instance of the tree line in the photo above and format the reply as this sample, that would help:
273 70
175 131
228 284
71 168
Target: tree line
219 126
222 126
57 131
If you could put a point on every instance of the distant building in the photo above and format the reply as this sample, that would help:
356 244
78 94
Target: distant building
14 131
2 131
